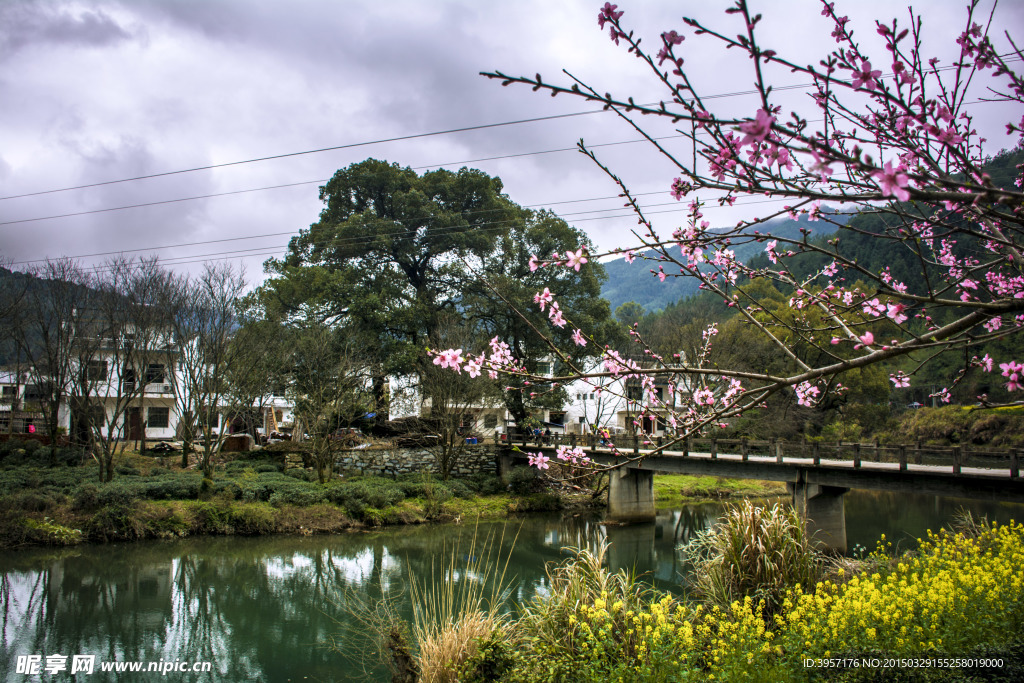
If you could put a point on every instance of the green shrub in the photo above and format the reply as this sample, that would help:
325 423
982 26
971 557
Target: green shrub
51 533
29 501
372 492
121 492
228 489
459 489
524 480
174 487
252 519
116 522
127 470
297 494
209 517
164 521
494 658
537 502
86 497
485 484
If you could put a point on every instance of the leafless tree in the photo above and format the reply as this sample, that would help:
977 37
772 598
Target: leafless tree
204 317
46 333
331 389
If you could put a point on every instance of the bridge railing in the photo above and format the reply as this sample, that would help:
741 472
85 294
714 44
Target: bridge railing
817 452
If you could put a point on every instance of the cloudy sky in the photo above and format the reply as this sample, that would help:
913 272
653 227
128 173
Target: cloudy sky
92 92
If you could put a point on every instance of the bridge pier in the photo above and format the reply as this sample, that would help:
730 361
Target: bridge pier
504 464
630 496
821 507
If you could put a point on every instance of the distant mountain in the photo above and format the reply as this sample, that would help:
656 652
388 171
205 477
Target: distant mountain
635 281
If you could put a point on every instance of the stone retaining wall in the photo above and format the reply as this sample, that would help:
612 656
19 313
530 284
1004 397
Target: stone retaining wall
474 460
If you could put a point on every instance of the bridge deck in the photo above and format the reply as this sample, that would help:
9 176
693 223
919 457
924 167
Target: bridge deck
983 483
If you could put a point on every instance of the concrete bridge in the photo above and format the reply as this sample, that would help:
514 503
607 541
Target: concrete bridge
817 475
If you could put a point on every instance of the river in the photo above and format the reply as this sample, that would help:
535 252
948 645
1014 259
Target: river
286 608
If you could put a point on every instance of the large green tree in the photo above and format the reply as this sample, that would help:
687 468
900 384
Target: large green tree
388 255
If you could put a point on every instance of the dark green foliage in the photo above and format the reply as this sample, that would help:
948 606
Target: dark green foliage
485 484
116 522
524 480
356 496
290 492
86 497
121 492
459 489
493 659
23 452
174 487
29 501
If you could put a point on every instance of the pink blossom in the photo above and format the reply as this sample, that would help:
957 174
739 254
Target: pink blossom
575 259
630 256
555 314
538 460
770 250
543 298
704 397
758 129
899 380
577 337
451 358
873 307
806 393
865 77
608 13
895 313
1013 371
892 181
986 363
867 339
473 368
534 264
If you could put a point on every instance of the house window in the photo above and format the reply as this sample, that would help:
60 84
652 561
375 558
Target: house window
128 378
96 371
209 419
158 418
155 373
634 393
9 393
543 368
34 392
490 421
557 418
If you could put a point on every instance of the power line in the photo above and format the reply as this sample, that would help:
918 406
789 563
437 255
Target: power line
337 242
340 241
400 138
310 182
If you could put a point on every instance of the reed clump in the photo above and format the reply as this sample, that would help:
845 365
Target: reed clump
756 552
457 605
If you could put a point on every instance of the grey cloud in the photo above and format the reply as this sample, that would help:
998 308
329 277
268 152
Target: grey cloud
23 25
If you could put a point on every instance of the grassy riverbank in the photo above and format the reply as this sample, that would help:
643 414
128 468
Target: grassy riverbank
673 489
953 610
151 497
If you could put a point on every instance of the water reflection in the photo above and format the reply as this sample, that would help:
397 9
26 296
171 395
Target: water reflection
266 608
